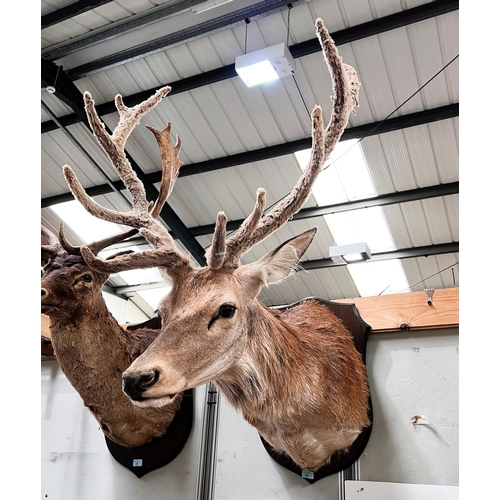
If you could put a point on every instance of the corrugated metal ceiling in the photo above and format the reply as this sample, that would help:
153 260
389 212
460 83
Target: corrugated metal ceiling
226 118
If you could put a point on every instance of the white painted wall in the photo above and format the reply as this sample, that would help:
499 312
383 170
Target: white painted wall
410 374
125 311
413 374
76 464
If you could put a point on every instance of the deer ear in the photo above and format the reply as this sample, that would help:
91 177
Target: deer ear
278 264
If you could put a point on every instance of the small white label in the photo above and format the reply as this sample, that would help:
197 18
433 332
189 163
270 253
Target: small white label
308 474
137 462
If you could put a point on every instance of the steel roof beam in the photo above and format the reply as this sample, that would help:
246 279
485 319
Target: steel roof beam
410 195
235 160
405 253
358 132
377 201
203 29
381 25
54 76
70 11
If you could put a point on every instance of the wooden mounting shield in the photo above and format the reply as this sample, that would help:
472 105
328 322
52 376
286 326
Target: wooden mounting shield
345 458
161 451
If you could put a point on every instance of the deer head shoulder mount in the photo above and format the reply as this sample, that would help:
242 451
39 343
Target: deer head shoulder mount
294 374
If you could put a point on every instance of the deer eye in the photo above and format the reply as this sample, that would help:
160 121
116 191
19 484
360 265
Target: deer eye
86 278
226 311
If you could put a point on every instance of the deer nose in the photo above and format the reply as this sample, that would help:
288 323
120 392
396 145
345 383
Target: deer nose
134 386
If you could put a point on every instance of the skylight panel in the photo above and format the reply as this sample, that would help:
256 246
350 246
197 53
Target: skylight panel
88 227
346 177
379 278
367 225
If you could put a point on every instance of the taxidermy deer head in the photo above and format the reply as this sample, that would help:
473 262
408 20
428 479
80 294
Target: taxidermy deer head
295 375
92 348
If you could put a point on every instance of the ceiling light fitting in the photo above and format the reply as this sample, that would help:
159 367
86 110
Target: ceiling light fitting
265 65
210 5
348 254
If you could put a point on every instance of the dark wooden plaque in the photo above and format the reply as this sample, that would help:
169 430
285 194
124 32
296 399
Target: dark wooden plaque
161 451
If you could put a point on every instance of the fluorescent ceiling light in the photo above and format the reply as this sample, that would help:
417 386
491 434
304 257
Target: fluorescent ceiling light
367 225
265 65
354 252
260 72
210 5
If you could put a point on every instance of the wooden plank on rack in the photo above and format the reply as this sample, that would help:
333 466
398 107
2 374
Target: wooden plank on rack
46 327
409 311
46 339
388 313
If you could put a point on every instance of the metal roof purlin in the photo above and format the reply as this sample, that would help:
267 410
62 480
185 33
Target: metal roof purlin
370 28
404 253
305 213
70 11
397 123
226 21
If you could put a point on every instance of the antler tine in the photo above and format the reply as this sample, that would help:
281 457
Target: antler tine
50 237
216 254
346 88
246 237
124 218
142 260
59 244
241 240
53 247
95 246
142 215
170 164
73 250
113 145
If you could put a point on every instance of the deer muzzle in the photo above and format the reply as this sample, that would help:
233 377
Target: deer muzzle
134 386
47 301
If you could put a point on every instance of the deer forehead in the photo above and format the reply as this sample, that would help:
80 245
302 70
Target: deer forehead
204 289
66 269
65 261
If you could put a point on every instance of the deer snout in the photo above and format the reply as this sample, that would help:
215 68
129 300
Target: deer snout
135 385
